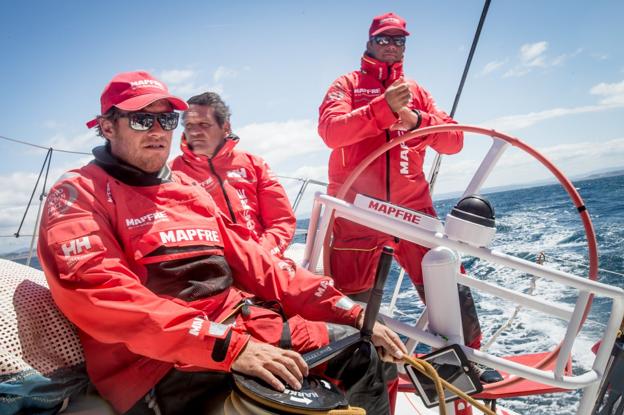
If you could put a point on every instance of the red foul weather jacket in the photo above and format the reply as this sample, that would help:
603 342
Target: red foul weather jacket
245 189
355 120
145 266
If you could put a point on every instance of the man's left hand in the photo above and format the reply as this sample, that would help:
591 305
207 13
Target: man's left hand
389 345
408 120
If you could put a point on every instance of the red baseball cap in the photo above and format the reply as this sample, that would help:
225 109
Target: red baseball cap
131 91
388 21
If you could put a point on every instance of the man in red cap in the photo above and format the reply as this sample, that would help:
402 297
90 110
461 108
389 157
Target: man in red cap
241 184
159 284
361 111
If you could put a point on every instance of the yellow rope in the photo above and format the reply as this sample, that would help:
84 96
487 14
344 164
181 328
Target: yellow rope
426 369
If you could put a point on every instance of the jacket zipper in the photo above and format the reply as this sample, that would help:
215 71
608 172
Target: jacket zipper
388 152
225 196
387 168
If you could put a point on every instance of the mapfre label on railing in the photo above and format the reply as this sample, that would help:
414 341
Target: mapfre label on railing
409 216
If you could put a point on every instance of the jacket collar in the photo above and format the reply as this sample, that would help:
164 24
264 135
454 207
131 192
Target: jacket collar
387 73
228 146
126 173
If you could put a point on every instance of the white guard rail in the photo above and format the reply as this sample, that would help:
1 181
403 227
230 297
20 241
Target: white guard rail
589 380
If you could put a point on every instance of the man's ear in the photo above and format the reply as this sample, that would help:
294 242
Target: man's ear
107 127
227 128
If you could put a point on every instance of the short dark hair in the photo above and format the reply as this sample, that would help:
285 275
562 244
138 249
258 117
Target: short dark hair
212 99
112 114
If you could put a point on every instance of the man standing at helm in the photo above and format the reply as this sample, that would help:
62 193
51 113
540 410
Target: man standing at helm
362 111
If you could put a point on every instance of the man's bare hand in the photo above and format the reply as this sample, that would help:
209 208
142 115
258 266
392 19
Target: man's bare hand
389 345
398 95
407 120
271 364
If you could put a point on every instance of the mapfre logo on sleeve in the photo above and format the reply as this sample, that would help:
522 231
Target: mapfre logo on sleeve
61 199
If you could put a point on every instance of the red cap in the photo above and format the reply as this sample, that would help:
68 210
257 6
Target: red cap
388 21
132 91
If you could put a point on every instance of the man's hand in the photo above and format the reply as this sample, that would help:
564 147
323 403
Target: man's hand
398 95
269 362
408 120
389 345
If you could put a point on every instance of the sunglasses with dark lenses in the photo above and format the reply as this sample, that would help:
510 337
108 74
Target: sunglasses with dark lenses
383 40
143 121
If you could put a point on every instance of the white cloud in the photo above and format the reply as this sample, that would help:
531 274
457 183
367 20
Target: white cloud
187 82
15 191
613 98
572 159
613 93
223 72
492 66
176 76
517 71
516 167
517 122
279 141
531 54
559 60
53 124
82 142
600 56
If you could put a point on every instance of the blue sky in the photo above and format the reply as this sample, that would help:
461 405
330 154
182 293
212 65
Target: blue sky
548 72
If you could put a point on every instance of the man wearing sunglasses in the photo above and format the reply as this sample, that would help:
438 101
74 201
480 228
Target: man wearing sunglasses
163 290
360 112
241 184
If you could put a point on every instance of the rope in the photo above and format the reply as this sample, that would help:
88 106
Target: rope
619 274
42 147
47 159
435 168
426 369
41 197
541 257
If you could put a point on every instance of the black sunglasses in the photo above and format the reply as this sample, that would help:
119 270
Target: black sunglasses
143 121
383 40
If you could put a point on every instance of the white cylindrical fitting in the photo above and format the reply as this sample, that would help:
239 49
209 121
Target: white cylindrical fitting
440 266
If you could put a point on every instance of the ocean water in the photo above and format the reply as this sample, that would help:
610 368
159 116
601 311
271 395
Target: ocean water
529 222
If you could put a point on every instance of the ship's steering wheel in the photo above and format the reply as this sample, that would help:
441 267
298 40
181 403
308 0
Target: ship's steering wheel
500 139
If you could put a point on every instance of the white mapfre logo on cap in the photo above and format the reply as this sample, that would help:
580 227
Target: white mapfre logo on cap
390 20
145 83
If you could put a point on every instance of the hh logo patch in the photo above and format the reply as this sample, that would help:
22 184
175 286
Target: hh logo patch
76 246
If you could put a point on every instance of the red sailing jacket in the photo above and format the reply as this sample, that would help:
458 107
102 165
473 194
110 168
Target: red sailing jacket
244 188
355 119
145 266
